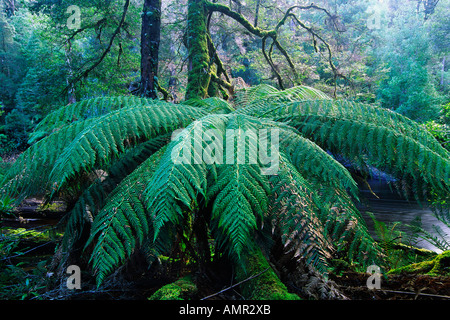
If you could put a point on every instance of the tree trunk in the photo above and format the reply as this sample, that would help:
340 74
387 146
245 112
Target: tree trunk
199 74
150 38
258 3
265 285
71 96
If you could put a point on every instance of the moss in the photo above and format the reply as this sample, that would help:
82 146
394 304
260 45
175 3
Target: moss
440 265
197 42
217 7
179 290
51 207
30 234
267 285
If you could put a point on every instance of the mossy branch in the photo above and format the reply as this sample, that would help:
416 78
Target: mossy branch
264 34
217 7
259 32
105 52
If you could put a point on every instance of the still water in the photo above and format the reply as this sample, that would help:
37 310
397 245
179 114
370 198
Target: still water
391 208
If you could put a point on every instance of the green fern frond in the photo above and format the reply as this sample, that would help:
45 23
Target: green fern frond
260 99
212 104
294 212
247 96
29 173
85 109
368 135
177 183
314 163
94 197
239 205
240 192
107 135
123 223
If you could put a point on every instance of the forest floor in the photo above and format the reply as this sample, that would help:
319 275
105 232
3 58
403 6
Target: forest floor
394 287
26 259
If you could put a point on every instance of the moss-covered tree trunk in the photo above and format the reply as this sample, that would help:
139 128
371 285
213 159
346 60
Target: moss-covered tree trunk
199 74
150 39
265 285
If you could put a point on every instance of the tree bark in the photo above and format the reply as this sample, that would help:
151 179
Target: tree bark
197 44
150 39
266 285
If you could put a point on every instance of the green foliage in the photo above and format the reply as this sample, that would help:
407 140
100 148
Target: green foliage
407 52
23 277
113 157
6 205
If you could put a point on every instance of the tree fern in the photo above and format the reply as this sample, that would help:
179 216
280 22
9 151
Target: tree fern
143 190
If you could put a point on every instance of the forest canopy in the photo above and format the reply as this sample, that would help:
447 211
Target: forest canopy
394 53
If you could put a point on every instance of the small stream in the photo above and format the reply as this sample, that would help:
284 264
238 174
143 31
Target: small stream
390 208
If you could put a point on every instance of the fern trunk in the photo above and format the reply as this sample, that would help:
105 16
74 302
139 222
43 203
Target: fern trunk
265 285
199 74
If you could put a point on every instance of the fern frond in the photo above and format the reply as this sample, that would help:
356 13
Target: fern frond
246 96
239 194
258 100
314 163
123 223
212 104
94 197
107 135
347 228
294 212
82 110
369 135
30 172
400 155
240 202
177 184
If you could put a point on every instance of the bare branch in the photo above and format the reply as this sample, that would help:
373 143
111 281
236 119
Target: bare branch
111 41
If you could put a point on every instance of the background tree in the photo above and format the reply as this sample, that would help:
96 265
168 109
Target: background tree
150 38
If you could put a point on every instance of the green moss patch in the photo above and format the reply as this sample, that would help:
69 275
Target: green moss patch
440 265
266 285
181 289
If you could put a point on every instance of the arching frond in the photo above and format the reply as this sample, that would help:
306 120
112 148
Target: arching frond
314 163
262 98
123 222
294 212
370 135
107 136
182 176
85 109
94 197
30 172
213 105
